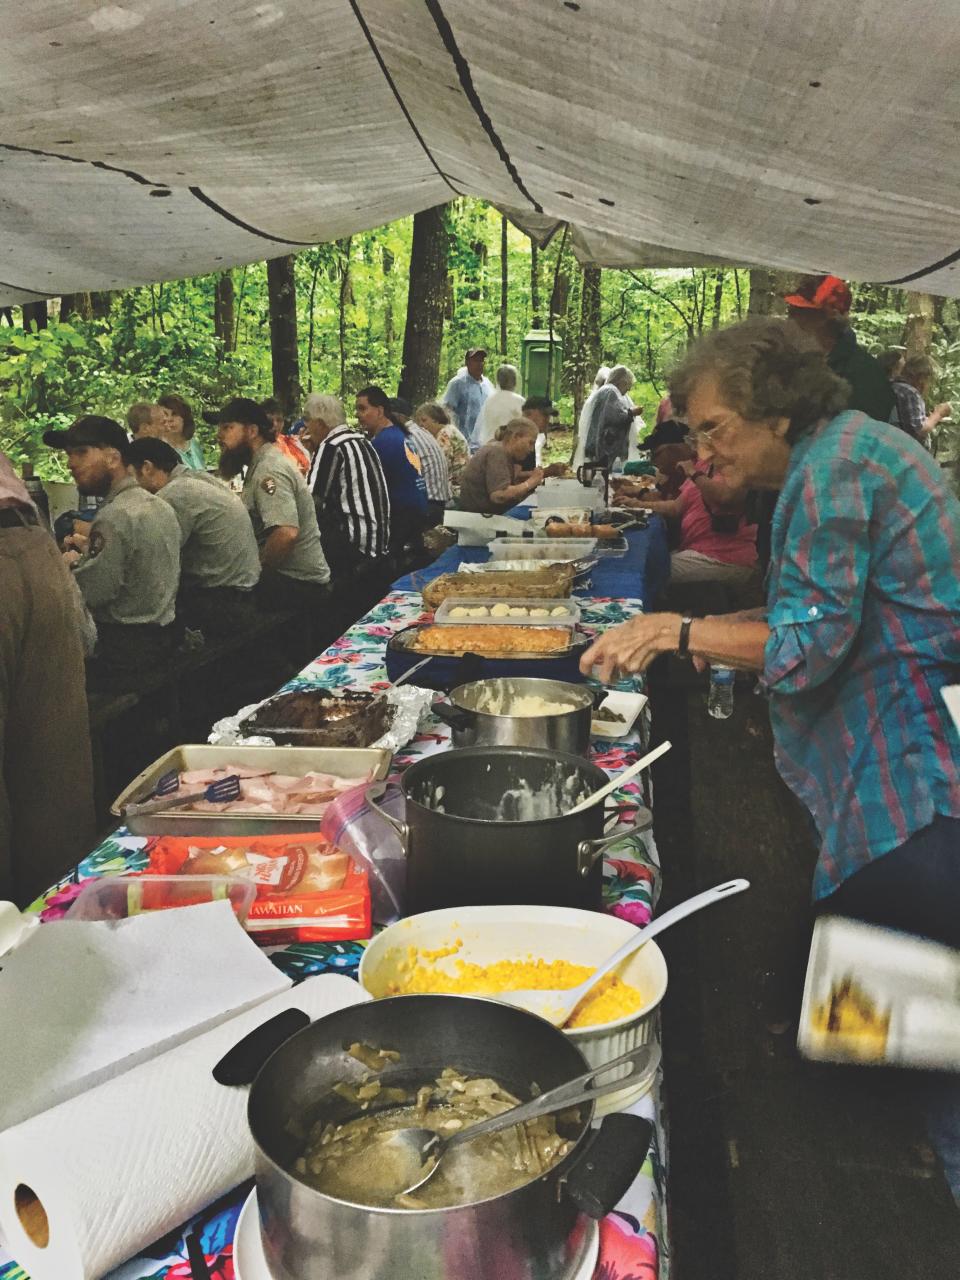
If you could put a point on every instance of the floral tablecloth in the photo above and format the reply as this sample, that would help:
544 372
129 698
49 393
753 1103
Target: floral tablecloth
633 1237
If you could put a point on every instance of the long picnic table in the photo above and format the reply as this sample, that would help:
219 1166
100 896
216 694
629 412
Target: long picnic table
633 1239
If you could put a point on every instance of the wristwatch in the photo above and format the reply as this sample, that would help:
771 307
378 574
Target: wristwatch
683 644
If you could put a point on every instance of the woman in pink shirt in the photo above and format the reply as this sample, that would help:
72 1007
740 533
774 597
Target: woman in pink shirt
716 542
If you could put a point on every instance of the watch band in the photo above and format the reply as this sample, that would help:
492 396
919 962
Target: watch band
683 644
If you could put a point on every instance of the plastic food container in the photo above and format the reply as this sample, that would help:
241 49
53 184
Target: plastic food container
119 897
542 548
569 617
489 934
573 515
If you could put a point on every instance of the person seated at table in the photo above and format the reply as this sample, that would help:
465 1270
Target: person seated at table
611 416
491 481
716 541
219 560
349 491
294 573
129 572
402 468
287 443
436 473
147 419
179 431
434 418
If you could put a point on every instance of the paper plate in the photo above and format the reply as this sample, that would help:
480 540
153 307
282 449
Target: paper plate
250 1263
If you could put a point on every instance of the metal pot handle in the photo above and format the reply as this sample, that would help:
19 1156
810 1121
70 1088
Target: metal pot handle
401 828
600 1178
588 851
455 717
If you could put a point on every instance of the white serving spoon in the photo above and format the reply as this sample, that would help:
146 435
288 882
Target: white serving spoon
621 778
558 1005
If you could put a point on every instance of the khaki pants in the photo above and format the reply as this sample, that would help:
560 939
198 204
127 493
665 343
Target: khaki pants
46 775
693 566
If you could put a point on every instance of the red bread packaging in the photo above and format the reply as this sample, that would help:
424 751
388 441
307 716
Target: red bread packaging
307 889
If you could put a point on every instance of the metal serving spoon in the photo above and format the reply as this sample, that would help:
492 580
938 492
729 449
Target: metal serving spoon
558 1004
420 1150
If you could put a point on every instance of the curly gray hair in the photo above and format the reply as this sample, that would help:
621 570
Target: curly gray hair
765 369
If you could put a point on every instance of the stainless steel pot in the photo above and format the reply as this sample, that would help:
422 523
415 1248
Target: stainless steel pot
534 1232
467 840
472 726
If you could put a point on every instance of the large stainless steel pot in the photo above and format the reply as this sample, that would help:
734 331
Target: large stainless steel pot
535 1232
472 726
470 850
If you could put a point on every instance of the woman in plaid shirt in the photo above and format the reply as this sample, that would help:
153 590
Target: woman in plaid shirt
861 630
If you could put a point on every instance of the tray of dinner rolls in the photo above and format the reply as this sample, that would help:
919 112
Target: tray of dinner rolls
528 612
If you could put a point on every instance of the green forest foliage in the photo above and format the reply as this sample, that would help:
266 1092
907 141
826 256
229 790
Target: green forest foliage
351 312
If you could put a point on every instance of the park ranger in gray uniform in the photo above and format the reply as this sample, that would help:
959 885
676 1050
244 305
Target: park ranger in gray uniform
293 569
219 559
130 570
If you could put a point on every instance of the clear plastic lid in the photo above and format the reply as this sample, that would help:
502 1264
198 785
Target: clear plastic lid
119 897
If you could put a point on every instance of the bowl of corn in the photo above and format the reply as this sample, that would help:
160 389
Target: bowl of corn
487 950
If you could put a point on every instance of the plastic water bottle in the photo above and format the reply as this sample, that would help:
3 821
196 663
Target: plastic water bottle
720 697
617 468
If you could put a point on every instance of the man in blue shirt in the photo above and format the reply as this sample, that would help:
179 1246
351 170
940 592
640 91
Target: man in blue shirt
402 467
466 393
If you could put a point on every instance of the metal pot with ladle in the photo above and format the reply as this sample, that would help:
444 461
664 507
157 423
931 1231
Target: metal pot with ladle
536 1230
491 825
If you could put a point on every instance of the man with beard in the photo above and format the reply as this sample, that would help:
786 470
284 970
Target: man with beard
293 570
129 573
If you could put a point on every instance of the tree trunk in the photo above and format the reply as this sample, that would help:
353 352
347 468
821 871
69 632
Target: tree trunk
536 320
504 280
590 321
717 298
76 304
767 288
284 356
343 299
918 330
34 315
388 329
426 300
224 312
100 304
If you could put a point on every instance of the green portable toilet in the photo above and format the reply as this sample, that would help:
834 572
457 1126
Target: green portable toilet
535 364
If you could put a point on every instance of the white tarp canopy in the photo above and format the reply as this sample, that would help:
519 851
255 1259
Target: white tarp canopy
162 138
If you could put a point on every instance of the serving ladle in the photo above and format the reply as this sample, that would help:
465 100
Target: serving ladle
421 1150
557 1004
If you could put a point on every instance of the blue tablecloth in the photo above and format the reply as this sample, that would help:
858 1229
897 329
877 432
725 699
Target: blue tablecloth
642 573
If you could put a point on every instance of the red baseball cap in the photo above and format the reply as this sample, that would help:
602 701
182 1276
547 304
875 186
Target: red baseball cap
822 293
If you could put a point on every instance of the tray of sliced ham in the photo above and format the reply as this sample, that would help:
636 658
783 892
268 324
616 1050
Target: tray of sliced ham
281 788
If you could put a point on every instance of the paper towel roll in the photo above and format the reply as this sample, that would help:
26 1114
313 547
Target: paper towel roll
94 1180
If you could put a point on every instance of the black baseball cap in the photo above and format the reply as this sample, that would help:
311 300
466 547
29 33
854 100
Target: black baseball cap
91 431
243 409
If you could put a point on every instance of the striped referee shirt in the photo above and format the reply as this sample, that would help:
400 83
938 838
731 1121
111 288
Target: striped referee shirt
350 493
436 473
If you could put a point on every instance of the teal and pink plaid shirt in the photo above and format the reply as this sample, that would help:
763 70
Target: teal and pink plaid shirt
864 610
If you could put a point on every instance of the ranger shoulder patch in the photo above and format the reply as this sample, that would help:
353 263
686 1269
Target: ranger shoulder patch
268 484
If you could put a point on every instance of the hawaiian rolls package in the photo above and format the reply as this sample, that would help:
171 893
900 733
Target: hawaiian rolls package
308 890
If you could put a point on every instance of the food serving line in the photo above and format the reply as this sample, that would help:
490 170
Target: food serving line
632 1240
